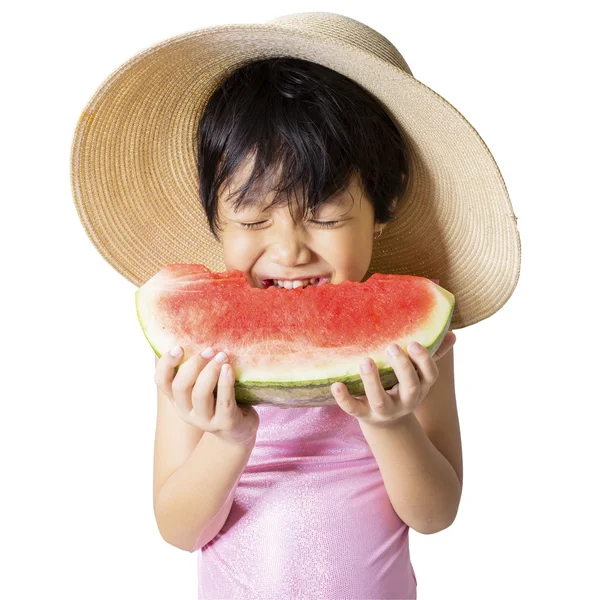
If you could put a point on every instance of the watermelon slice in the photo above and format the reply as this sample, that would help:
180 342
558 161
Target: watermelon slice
287 347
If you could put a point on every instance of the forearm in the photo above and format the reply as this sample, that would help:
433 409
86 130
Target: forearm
422 485
194 502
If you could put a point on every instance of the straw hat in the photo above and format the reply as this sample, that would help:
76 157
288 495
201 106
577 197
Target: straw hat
135 181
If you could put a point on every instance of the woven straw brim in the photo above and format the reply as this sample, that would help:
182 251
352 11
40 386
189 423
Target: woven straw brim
135 180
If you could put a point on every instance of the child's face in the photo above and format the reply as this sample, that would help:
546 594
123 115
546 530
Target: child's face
275 246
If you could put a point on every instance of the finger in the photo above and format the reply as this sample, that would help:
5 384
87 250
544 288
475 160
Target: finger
408 377
426 368
348 403
166 368
378 398
203 390
184 381
226 406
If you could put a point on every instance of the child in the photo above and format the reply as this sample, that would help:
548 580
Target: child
300 168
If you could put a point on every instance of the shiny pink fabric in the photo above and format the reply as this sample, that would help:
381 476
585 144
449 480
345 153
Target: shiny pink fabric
310 518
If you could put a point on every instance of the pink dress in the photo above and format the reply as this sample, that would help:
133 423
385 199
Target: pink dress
310 518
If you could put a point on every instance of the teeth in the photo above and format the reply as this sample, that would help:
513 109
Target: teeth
288 285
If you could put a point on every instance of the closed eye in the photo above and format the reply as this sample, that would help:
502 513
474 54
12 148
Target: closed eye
324 224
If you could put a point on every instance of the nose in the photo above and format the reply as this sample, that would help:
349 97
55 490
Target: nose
289 250
287 245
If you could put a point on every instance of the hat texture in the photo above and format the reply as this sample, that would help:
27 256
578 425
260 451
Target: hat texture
134 160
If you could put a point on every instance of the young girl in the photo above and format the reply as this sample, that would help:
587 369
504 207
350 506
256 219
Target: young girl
300 168
293 503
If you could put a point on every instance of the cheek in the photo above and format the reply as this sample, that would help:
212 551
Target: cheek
238 250
350 255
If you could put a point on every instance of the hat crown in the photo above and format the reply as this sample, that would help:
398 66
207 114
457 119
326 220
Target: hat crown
346 30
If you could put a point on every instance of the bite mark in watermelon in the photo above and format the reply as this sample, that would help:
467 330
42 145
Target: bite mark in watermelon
287 347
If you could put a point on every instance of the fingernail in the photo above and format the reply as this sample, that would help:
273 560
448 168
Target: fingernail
225 372
366 365
414 348
207 353
221 357
394 350
175 351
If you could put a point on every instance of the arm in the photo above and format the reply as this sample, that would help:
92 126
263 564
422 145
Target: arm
195 478
420 457
194 503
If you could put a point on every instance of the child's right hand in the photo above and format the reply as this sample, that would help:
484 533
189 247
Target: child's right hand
191 392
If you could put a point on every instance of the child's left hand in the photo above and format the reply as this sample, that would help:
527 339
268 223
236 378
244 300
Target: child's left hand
415 378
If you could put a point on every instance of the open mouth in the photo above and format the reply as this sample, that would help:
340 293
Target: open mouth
265 283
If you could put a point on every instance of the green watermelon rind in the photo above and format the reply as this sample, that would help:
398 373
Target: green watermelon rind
137 312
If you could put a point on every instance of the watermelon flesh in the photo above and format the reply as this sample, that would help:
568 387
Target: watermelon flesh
287 347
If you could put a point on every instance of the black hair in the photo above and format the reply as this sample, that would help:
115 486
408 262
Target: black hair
316 125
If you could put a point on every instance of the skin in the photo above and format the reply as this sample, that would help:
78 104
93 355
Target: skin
276 246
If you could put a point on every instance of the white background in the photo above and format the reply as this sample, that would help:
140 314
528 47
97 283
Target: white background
78 397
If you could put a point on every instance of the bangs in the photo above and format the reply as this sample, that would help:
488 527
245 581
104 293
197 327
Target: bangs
304 132
306 185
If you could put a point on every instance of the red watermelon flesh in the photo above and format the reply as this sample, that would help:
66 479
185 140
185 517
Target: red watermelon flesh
287 347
